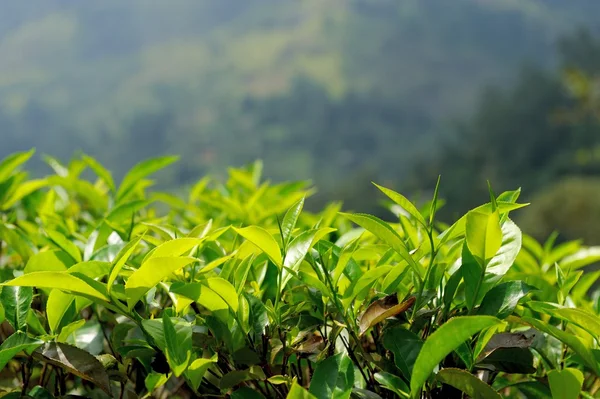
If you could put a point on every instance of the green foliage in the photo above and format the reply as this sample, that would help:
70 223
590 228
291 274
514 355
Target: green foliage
237 291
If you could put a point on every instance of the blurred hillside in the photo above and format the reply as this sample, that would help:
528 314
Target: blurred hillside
333 90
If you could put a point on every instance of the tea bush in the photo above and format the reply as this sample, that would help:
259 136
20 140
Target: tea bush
236 291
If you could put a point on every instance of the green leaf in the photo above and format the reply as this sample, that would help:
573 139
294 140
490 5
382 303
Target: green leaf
565 383
198 368
404 203
155 380
178 351
289 221
213 293
101 171
23 190
75 361
120 261
60 280
17 342
16 302
47 261
393 383
12 162
367 280
467 383
533 389
483 235
297 392
173 248
333 378
156 330
386 233
502 300
586 320
150 274
442 342
234 378
572 341
88 337
505 257
246 393
458 228
264 241
298 249
405 345
140 171
56 307
63 243
39 392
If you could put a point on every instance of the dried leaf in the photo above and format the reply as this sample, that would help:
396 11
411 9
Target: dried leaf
313 344
381 309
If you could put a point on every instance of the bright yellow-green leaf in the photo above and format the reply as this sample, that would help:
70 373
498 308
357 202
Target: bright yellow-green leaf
404 203
484 235
198 367
60 280
100 170
175 247
140 171
297 392
151 273
114 273
54 260
386 233
11 162
56 307
213 293
23 190
65 244
263 240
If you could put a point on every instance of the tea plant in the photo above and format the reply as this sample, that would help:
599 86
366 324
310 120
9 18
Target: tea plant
237 291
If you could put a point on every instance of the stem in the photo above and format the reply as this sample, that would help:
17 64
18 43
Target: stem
427 273
350 326
477 288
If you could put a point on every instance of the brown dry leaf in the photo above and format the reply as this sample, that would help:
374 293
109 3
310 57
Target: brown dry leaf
314 344
381 309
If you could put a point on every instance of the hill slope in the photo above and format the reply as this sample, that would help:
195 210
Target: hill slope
217 80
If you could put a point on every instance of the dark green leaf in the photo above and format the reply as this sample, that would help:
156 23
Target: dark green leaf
16 302
501 300
393 383
178 349
405 345
333 378
17 342
467 383
510 360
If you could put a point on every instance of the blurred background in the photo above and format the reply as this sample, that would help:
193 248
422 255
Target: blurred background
342 92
